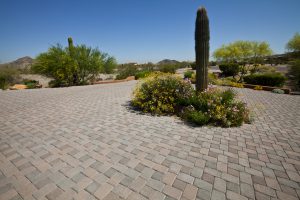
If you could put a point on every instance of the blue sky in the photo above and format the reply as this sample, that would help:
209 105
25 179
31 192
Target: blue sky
141 30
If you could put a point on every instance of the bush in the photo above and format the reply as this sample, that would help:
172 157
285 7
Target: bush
73 65
258 87
294 74
8 76
167 68
196 117
142 74
266 79
215 107
230 69
278 91
31 84
127 70
167 94
158 93
188 74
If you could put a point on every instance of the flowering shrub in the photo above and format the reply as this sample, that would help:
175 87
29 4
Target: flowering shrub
158 93
168 94
219 107
258 87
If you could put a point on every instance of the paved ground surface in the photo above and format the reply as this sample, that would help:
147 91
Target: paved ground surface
84 143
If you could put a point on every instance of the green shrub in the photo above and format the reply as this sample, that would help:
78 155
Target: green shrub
73 65
31 84
294 74
167 68
168 94
258 87
220 107
8 76
266 79
158 93
196 117
278 91
142 74
127 70
229 69
188 74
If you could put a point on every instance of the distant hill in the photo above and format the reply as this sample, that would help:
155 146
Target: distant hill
167 61
20 63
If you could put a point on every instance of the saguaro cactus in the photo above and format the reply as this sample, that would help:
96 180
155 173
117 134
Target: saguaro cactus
70 42
202 49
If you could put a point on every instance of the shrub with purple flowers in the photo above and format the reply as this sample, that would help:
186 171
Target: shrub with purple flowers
167 94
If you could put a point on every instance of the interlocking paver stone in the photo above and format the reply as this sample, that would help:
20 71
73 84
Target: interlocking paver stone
85 143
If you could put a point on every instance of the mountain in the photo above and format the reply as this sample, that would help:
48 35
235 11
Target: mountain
20 63
167 61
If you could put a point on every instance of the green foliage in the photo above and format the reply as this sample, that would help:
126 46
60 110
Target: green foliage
142 74
258 87
215 107
229 69
267 79
168 94
31 84
196 117
73 65
263 69
243 51
188 74
8 76
202 36
168 68
278 91
110 64
126 70
294 74
294 43
158 93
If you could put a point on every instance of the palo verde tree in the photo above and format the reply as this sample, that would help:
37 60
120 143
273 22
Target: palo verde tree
73 65
244 53
202 49
294 45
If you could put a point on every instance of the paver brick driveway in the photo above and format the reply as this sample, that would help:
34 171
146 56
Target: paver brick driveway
84 143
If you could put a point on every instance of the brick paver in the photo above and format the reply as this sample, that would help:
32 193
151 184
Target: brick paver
86 143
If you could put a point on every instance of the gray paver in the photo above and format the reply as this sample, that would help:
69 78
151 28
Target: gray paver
84 143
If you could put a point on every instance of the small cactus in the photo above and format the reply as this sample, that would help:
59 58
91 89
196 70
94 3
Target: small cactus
202 49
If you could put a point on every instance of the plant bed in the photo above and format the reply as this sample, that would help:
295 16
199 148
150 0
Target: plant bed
130 78
167 94
268 88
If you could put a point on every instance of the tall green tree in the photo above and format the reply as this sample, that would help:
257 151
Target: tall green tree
243 52
294 44
73 65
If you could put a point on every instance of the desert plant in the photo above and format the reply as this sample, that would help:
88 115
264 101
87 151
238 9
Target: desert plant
294 74
167 68
266 79
229 69
126 70
8 76
158 93
202 49
196 117
31 84
278 91
73 65
258 87
188 74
